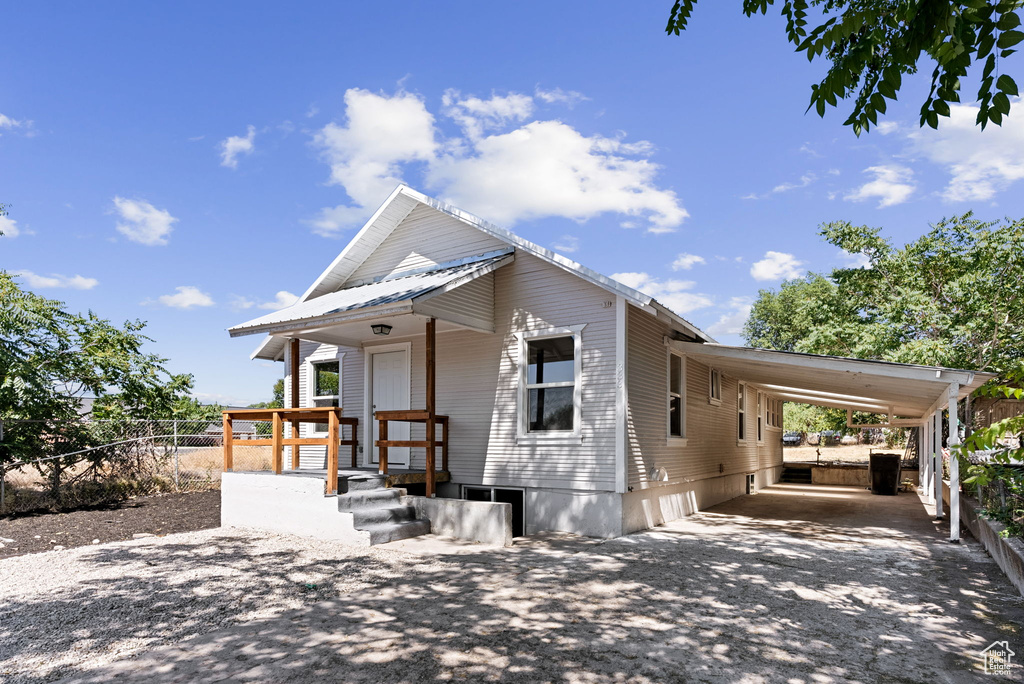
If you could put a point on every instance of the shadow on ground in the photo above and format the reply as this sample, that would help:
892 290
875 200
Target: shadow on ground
741 593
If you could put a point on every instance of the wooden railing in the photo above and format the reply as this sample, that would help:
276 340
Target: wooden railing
331 416
383 443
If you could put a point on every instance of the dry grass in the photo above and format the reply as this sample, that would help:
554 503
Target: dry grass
852 453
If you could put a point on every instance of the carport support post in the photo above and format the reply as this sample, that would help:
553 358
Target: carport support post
954 464
924 460
937 462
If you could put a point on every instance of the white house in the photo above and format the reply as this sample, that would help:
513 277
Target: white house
585 404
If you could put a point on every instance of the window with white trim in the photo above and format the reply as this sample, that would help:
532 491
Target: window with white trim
741 412
550 374
715 387
760 417
676 395
323 383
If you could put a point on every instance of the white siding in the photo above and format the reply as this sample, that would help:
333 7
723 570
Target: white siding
711 448
469 304
425 238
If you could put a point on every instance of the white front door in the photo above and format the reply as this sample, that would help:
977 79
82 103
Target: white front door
389 387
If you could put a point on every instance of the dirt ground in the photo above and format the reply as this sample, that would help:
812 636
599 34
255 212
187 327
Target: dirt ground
852 453
158 515
796 584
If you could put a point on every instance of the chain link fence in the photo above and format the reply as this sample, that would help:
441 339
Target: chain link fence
125 458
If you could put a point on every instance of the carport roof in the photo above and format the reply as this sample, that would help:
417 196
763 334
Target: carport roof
904 390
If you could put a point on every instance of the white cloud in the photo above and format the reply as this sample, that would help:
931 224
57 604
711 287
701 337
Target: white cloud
235 145
502 169
475 116
980 163
731 322
9 227
776 266
567 244
547 168
365 155
240 303
280 301
312 111
887 127
893 184
143 223
55 280
187 297
569 98
25 125
684 262
805 180
675 294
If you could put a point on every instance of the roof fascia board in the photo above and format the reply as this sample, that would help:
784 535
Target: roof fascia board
937 375
284 327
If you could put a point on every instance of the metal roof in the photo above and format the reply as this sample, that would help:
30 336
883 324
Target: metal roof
382 295
910 391
401 202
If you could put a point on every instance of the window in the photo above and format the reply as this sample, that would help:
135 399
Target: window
549 377
741 412
760 417
676 395
774 411
515 497
323 382
715 387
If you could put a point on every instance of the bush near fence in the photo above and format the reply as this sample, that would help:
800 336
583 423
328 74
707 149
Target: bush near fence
135 458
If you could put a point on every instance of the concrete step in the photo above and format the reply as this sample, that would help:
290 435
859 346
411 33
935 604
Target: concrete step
374 498
368 517
385 532
361 483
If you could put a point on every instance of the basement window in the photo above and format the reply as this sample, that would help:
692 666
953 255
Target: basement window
515 497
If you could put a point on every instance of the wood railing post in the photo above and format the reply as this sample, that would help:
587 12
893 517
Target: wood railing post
277 450
431 408
228 438
333 437
355 445
382 456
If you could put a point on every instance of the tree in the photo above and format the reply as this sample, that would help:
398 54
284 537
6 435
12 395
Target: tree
951 298
278 401
871 44
50 358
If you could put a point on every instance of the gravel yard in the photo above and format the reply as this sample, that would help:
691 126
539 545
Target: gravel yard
796 584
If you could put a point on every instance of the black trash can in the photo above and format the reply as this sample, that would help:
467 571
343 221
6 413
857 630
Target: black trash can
885 474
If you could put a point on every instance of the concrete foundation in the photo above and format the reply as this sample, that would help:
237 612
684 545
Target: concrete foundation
646 508
478 521
290 505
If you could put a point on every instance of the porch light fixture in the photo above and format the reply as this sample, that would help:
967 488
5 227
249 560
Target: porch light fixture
381 329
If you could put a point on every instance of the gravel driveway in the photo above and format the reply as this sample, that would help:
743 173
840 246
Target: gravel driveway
794 584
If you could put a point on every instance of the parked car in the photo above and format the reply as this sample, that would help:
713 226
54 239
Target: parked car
791 439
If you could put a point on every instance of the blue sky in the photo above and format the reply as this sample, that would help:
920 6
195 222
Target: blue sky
194 164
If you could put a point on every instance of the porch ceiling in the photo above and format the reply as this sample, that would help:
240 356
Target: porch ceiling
875 386
390 301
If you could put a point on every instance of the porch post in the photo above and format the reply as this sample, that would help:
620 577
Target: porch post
924 461
333 437
431 409
954 464
228 437
937 462
293 362
276 448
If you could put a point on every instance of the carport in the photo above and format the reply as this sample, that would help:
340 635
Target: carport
910 396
